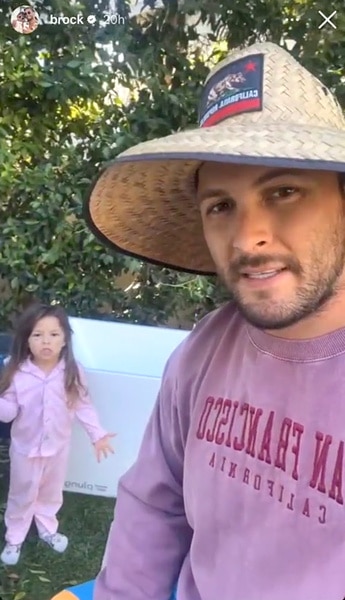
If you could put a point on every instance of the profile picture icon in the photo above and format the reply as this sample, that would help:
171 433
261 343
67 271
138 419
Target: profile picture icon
24 19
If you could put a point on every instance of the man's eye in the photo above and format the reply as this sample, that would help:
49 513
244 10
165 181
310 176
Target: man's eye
219 207
284 193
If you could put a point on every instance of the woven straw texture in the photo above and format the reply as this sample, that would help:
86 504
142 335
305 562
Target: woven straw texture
144 203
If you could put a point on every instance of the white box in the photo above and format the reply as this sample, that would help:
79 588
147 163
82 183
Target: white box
124 364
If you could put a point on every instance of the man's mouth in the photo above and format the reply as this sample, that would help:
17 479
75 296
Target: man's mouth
263 274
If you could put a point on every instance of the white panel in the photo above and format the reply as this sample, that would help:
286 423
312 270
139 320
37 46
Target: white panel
123 347
124 365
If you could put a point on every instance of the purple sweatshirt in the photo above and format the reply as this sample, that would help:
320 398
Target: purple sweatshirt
237 491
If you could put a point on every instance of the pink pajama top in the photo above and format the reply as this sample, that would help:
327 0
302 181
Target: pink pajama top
42 421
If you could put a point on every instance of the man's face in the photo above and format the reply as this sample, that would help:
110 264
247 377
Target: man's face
277 238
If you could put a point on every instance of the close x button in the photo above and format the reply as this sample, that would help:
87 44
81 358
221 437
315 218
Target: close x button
327 20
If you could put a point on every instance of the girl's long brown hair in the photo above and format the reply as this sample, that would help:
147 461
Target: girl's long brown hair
20 349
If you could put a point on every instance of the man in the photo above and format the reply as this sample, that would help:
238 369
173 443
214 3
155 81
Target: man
238 489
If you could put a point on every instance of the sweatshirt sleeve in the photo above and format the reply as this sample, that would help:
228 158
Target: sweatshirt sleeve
150 536
86 413
9 407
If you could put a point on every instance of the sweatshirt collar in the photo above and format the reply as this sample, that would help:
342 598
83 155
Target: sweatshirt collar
307 350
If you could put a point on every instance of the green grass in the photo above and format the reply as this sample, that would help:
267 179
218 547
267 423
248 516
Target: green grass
41 572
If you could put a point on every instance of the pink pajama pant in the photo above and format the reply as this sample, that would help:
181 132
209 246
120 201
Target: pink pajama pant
35 493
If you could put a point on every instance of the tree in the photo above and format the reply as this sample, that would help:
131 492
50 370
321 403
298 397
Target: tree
74 96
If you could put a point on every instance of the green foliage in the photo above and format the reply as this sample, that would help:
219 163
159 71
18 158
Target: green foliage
74 96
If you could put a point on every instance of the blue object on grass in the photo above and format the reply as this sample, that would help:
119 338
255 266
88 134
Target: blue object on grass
84 591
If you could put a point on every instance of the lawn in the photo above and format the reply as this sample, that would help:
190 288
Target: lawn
42 573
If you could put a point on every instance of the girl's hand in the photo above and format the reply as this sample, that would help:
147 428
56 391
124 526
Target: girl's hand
103 447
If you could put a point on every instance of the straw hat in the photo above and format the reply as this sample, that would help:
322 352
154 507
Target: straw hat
259 106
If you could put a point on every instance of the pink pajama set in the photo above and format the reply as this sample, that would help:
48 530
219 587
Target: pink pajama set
39 449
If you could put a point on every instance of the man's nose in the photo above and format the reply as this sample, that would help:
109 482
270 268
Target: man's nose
253 230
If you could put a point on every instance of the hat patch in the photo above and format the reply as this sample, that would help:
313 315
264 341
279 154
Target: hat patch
235 89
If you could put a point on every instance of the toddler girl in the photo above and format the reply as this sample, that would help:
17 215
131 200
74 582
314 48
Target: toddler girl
42 390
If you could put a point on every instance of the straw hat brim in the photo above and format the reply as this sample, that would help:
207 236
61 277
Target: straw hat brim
144 203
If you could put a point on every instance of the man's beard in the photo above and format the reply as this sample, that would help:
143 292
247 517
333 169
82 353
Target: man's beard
320 281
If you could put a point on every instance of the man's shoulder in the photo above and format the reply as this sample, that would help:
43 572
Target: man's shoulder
207 335
214 324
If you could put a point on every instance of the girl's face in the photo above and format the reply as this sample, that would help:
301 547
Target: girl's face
46 340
